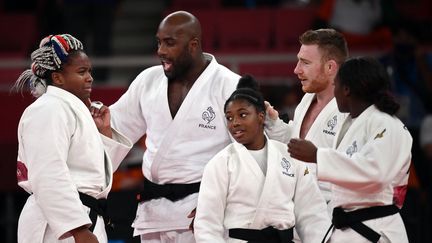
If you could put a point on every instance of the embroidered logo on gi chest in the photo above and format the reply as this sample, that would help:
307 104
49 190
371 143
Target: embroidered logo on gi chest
286 165
208 116
331 124
352 149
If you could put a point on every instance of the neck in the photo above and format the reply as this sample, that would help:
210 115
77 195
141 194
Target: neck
358 107
325 96
259 144
195 71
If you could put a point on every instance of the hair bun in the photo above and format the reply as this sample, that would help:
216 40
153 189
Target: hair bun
247 81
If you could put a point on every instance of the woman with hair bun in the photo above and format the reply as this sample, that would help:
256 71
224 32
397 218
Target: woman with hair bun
368 165
253 190
64 155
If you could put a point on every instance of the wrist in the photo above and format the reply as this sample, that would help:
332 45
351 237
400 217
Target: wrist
106 132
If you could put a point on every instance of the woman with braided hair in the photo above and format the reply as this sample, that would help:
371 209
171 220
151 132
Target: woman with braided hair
368 165
64 155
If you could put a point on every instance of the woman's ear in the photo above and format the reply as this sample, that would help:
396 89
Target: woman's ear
57 79
346 91
261 116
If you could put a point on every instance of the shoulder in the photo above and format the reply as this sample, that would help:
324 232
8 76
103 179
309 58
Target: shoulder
148 74
47 104
222 156
47 110
148 78
222 75
381 120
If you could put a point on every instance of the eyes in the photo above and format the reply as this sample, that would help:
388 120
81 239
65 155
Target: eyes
242 115
84 71
166 42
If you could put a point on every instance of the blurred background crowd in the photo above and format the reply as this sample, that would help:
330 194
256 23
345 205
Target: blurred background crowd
258 37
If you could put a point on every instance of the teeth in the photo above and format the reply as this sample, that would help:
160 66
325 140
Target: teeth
166 66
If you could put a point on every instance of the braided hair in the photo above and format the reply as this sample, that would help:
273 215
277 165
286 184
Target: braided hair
52 53
368 80
248 89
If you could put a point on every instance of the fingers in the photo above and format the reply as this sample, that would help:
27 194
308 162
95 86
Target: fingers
271 112
295 148
97 108
192 213
96 104
303 150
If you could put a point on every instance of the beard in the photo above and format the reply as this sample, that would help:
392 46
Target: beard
181 66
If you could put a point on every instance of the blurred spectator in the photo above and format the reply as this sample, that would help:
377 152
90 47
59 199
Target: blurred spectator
410 66
363 22
92 22
289 102
50 17
249 3
426 137
426 156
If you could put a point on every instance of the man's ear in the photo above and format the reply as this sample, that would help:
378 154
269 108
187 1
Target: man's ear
193 44
331 67
57 79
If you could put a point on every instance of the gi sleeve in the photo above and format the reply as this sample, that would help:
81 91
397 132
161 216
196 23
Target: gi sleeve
117 148
310 209
126 113
278 130
209 220
46 136
386 153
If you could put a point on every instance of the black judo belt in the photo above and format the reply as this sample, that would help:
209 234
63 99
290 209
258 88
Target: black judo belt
354 219
267 235
97 207
172 192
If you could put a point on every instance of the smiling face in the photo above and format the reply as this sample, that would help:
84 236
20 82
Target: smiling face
310 69
75 76
245 124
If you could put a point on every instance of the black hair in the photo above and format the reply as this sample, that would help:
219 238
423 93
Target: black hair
368 80
248 89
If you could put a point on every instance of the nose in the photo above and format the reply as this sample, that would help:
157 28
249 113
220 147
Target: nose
161 50
235 122
89 78
297 68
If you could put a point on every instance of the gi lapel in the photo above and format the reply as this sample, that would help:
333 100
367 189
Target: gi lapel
178 122
321 121
270 185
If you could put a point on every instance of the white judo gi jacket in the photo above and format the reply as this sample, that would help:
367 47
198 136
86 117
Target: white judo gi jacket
235 193
60 153
370 167
179 148
321 133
